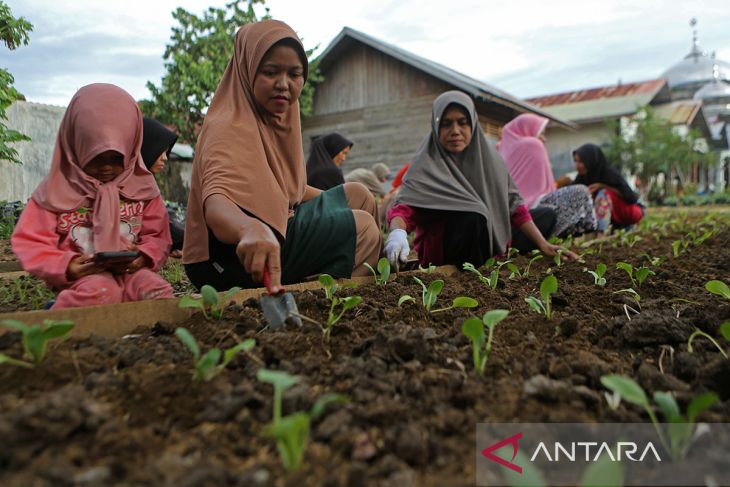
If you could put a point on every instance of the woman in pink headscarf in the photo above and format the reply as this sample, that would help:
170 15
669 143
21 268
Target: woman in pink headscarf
97 197
524 153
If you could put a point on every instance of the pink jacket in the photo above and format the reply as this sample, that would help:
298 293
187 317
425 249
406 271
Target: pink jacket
45 242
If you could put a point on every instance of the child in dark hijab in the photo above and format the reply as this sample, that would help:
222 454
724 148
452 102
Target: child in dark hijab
157 142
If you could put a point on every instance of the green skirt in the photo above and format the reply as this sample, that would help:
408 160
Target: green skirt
320 239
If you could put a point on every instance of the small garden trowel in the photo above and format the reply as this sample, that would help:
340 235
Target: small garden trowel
279 309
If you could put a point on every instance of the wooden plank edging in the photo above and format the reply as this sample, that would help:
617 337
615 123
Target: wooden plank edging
117 320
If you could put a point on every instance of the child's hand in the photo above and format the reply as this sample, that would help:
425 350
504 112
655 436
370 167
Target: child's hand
82 266
131 267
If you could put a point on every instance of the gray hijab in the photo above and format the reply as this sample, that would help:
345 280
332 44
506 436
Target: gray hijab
476 180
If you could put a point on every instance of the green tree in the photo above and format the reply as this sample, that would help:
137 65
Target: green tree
14 33
195 59
648 145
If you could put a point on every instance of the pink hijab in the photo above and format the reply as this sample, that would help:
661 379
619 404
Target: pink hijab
100 117
526 157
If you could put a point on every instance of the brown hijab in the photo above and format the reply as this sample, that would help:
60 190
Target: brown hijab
100 117
248 155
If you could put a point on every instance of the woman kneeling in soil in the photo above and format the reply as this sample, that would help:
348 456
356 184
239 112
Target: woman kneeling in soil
250 210
459 197
98 197
524 153
614 200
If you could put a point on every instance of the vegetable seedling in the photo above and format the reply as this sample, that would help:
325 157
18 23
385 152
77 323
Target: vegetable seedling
431 292
209 365
330 288
548 287
473 328
526 273
427 270
719 288
641 273
679 247
631 292
404 299
35 338
292 432
558 258
680 428
655 261
493 278
209 301
700 333
598 274
383 272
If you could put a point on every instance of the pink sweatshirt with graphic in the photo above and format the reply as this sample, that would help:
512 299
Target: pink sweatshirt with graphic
45 242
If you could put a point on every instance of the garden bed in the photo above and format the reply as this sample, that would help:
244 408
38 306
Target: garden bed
105 411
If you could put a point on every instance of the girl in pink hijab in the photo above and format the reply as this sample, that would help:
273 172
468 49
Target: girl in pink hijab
97 197
526 158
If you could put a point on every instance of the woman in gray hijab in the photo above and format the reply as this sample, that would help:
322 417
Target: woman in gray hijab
460 199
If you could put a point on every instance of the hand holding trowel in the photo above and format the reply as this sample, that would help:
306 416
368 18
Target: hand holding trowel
279 307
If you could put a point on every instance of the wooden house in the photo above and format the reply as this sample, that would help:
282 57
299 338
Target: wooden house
380 96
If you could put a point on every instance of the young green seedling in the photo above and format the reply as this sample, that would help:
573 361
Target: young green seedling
330 288
700 333
209 365
719 288
493 278
427 270
558 258
329 285
292 432
334 316
431 292
679 247
515 271
35 338
654 261
680 428
383 273
641 273
473 328
548 287
598 274
459 302
404 299
209 301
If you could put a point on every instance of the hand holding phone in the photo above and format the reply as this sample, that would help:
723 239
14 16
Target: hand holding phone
120 257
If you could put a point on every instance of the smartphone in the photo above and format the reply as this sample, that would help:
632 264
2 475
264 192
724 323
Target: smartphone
116 257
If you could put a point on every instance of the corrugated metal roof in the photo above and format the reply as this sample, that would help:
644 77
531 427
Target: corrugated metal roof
475 88
588 111
650 88
678 112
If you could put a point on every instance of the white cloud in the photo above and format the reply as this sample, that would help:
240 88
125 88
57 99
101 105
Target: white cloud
526 47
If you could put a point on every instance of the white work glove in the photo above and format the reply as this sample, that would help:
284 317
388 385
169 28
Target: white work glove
396 246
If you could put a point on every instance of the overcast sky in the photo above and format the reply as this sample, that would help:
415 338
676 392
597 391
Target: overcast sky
526 48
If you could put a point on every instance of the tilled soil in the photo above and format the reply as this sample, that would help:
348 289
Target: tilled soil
127 412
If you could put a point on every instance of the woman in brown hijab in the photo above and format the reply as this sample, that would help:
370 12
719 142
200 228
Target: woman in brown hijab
250 211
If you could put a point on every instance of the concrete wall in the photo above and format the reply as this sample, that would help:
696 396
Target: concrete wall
40 123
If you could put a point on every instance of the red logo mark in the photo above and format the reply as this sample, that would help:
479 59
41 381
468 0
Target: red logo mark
512 440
